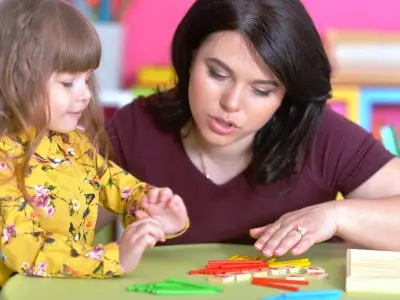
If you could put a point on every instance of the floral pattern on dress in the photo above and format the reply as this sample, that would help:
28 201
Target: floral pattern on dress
50 234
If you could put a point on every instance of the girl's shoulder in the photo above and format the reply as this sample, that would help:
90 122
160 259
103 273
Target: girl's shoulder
77 140
14 146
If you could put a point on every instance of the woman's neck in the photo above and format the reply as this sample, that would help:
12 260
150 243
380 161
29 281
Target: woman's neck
218 163
235 152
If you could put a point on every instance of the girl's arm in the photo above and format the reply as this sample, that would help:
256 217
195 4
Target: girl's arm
122 193
29 249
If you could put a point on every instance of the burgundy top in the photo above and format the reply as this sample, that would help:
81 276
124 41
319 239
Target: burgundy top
343 156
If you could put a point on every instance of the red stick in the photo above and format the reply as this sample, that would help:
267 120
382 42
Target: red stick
279 286
213 266
279 280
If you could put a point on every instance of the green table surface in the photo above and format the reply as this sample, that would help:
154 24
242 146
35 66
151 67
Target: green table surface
174 262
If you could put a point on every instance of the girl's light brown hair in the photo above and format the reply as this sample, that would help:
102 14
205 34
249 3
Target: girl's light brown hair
38 38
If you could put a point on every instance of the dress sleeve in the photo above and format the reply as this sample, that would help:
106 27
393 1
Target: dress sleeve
29 249
120 192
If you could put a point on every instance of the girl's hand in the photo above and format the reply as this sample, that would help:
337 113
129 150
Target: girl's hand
297 231
166 207
137 237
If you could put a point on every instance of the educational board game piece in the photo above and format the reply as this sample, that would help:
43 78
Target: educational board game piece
194 283
281 286
373 271
317 275
243 276
222 278
172 286
295 277
294 270
280 280
182 291
314 270
260 274
305 295
276 271
296 262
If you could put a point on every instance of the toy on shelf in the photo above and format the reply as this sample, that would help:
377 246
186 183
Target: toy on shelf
372 271
368 58
389 139
152 78
345 100
372 99
102 10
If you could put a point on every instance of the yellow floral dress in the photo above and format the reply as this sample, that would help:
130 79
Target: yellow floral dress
52 235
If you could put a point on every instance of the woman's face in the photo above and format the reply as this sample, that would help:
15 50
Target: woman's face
232 92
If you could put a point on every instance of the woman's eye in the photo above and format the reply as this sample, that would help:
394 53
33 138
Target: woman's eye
261 92
216 75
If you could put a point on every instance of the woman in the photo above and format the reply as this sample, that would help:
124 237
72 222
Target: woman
246 137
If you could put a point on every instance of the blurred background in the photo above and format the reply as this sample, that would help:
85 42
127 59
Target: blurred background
362 39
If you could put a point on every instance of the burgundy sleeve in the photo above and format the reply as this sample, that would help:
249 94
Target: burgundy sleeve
345 155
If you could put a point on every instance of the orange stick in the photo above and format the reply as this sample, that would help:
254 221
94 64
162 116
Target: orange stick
279 280
255 267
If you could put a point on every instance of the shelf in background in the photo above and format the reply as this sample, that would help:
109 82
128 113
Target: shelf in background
116 98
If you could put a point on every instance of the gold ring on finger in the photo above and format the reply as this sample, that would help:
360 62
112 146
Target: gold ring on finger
300 230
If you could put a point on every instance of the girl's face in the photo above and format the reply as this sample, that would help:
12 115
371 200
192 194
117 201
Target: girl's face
232 92
69 95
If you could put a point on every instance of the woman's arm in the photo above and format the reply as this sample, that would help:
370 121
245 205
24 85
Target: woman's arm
104 218
370 216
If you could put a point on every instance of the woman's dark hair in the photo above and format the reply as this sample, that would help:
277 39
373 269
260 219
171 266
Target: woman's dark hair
284 35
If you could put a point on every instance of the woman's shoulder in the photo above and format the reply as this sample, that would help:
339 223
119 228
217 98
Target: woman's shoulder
344 155
334 120
337 130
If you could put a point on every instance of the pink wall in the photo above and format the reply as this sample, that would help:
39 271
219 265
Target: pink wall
150 24
354 14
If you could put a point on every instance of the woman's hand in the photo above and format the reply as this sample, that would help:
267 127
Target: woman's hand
297 231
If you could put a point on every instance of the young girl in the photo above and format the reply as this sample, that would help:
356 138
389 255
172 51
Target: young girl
52 178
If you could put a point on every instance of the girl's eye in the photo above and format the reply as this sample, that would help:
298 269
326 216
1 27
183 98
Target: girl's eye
216 75
67 84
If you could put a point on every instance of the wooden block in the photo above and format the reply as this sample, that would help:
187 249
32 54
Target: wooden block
261 274
277 271
316 275
222 278
373 271
244 276
294 270
295 277
314 270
